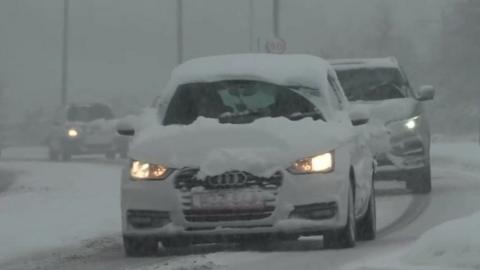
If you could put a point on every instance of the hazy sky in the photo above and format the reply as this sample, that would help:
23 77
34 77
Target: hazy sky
125 47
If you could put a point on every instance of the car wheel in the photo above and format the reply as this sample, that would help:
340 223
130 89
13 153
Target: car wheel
66 156
110 155
53 155
420 180
346 236
139 246
175 243
123 154
367 226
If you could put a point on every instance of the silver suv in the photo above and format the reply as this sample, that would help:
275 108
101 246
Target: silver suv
382 87
84 129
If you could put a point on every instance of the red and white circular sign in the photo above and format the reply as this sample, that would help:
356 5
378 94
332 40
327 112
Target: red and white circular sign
276 45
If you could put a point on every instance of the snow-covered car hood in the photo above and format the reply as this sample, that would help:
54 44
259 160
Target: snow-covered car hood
261 147
386 111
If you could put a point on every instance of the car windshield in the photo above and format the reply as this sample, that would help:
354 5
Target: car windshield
372 84
88 113
238 102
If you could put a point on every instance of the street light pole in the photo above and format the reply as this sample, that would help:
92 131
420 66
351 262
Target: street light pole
251 22
66 22
179 31
276 18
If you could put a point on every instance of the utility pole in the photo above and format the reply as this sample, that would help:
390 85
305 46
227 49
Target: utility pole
66 22
276 18
179 31
251 22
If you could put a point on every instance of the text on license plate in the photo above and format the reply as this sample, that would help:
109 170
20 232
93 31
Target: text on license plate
228 199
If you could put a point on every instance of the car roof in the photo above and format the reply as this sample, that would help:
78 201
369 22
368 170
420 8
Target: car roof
298 70
361 63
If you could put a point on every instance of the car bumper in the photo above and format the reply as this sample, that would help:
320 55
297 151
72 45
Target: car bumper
303 204
407 153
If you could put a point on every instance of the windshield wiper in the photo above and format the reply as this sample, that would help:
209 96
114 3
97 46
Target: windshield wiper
247 116
386 83
316 115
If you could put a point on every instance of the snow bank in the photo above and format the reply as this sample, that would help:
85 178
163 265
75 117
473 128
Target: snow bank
455 243
53 205
260 147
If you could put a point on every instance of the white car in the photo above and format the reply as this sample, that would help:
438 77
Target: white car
254 147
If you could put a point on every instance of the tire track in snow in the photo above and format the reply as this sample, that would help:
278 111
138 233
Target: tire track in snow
414 210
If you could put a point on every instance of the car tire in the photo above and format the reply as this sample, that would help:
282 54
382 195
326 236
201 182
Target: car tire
346 236
139 246
367 225
176 243
66 156
111 155
53 155
420 180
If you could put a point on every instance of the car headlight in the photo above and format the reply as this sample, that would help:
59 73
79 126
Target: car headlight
72 133
409 124
324 163
146 171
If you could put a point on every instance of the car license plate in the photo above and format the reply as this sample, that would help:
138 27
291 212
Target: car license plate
228 199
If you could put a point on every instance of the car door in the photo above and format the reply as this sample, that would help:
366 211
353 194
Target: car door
361 156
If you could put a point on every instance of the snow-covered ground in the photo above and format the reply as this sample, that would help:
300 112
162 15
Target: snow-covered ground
454 244
66 216
53 205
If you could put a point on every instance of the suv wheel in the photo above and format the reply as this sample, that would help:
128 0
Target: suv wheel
139 246
346 236
420 180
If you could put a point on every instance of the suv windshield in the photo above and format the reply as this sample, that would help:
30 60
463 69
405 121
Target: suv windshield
373 84
89 113
238 102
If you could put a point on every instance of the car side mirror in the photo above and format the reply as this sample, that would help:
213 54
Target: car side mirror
426 92
359 116
125 128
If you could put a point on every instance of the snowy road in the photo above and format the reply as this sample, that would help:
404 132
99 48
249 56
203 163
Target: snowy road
66 216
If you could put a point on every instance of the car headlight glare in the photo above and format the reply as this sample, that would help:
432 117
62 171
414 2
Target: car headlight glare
72 133
318 164
407 124
411 123
146 171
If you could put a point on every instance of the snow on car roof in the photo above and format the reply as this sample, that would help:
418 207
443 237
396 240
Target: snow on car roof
304 70
342 64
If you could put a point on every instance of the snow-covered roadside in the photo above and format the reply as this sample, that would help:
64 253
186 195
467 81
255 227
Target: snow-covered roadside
452 245
55 205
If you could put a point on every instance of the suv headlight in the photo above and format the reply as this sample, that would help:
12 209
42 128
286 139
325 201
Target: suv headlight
409 124
146 171
324 163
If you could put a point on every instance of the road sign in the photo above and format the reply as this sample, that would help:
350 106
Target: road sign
276 45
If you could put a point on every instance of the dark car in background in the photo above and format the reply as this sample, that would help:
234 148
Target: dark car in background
381 86
84 129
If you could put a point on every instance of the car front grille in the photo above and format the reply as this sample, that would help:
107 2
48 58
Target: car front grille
187 179
187 183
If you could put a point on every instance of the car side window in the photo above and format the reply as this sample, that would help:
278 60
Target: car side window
334 88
